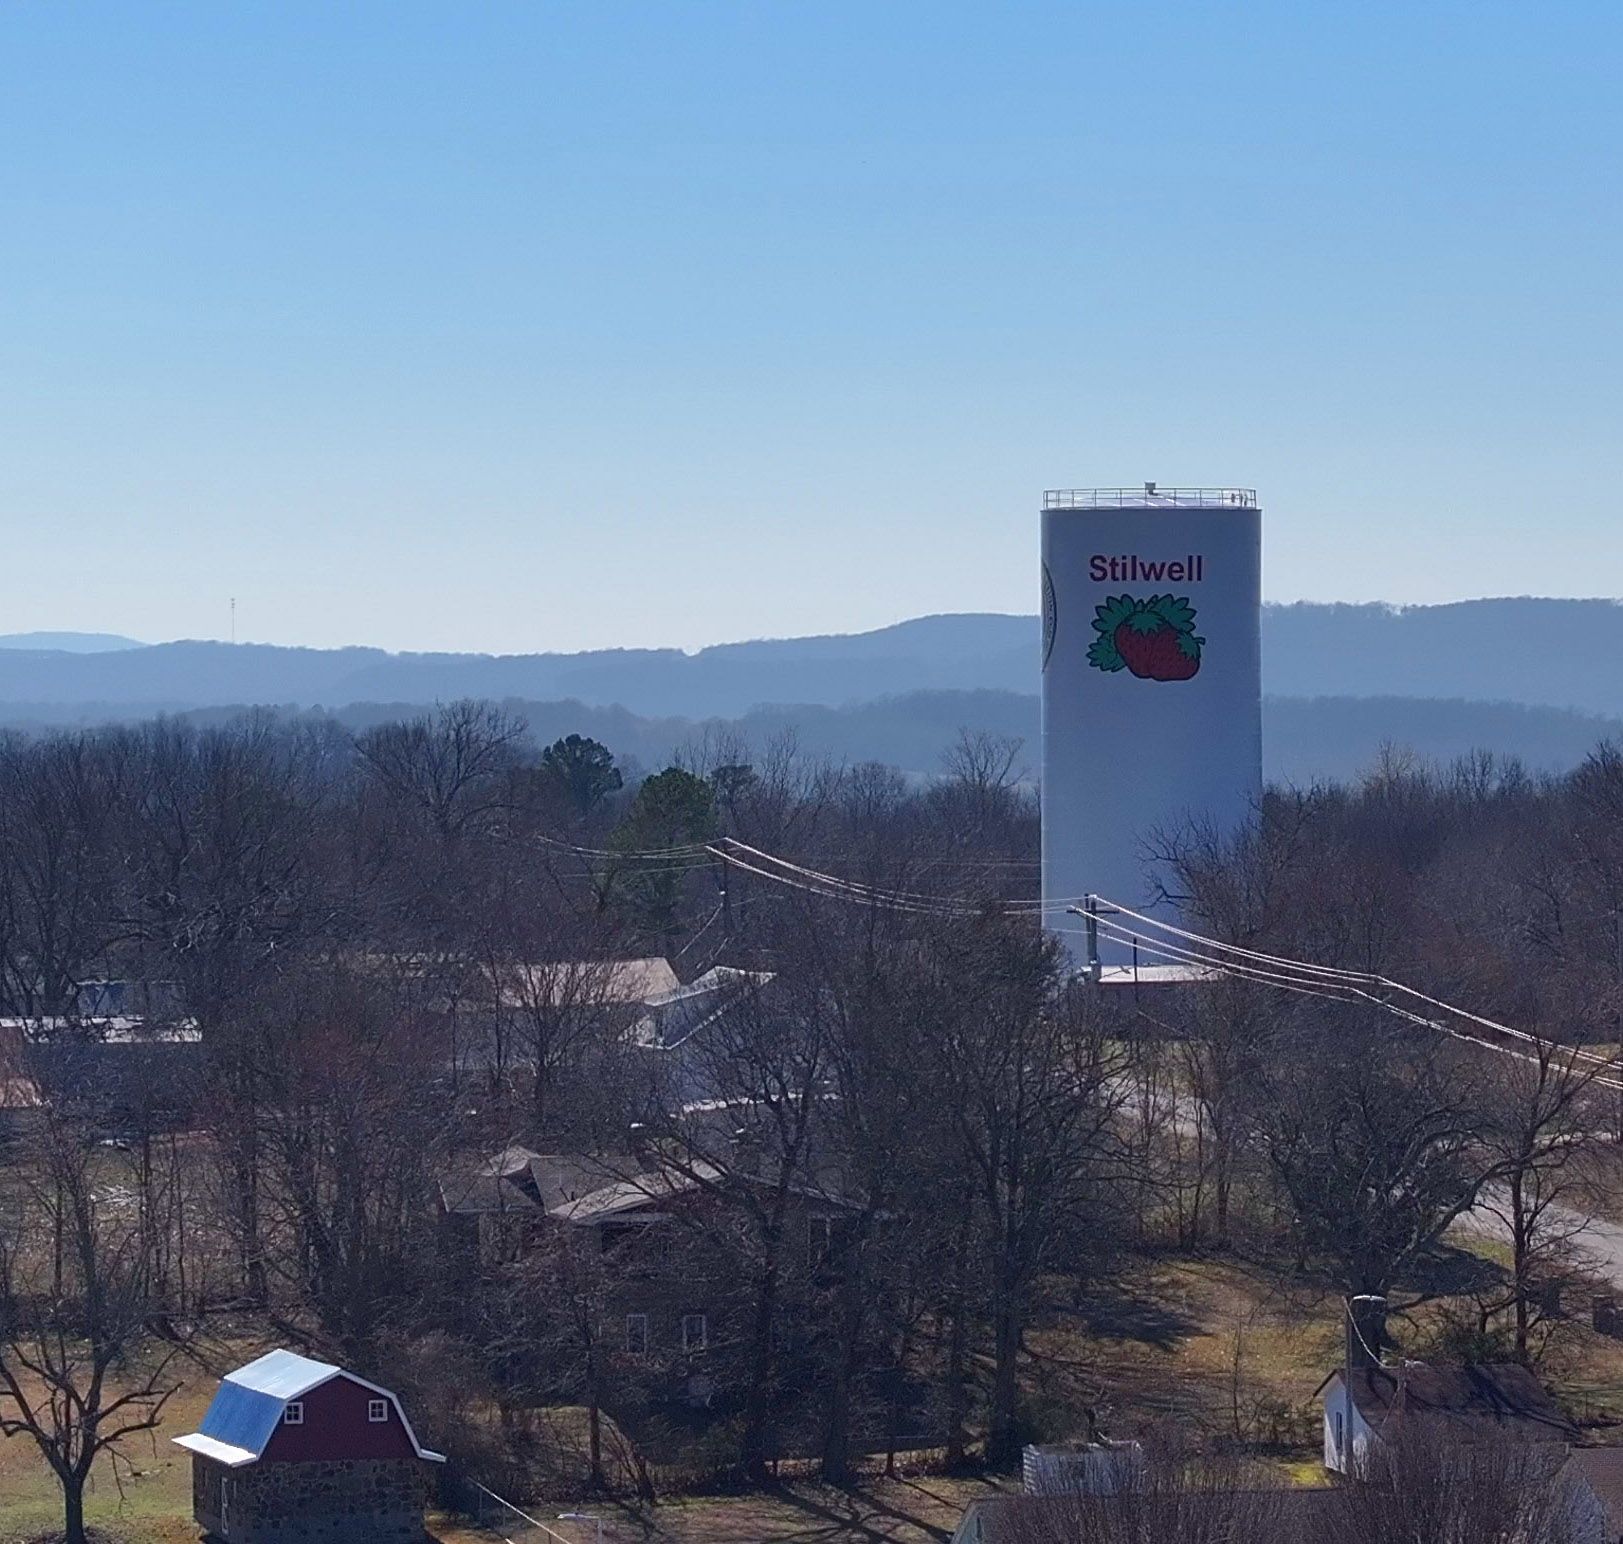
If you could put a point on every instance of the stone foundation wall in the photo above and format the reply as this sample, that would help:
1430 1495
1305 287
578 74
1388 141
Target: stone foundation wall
206 1481
344 1501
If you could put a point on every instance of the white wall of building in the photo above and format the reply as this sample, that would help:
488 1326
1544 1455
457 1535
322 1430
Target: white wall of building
1346 1432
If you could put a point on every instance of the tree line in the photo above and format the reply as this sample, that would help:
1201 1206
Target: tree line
395 952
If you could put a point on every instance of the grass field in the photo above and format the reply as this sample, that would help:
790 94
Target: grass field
1217 1344
148 1501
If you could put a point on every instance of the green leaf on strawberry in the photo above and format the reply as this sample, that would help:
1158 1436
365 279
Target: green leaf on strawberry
1175 611
1108 617
1103 654
1189 645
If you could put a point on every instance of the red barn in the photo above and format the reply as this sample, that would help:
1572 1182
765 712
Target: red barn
294 1451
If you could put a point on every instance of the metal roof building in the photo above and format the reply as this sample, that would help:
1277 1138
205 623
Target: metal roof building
252 1401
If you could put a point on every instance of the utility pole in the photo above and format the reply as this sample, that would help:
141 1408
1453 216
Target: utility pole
1090 911
233 618
1617 1002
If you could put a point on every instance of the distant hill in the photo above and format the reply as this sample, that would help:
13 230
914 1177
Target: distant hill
69 643
933 652
1514 675
1541 653
1553 653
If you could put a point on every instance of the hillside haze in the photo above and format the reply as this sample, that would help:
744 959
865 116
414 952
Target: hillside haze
1530 677
69 643
1541 653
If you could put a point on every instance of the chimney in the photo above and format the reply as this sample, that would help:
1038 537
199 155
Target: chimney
1366 1330
746 1145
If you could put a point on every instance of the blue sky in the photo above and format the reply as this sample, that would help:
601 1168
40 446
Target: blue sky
522 326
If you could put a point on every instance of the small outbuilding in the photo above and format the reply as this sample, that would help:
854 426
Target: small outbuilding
1503 1397
295 1451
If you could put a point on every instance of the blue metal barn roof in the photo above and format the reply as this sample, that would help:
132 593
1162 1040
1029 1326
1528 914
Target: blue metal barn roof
248 1406
249 1403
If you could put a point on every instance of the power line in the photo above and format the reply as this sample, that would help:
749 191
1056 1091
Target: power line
1356 981
1334 983
1349 994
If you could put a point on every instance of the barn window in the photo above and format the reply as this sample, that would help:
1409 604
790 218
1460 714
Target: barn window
377 1410
695 1332
637 1334
293 1413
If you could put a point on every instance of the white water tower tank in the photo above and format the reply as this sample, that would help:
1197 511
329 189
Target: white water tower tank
1151 691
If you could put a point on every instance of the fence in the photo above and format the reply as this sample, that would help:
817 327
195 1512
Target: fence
515 1525
1593 1404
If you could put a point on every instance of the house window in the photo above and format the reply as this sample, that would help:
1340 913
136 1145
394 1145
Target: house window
695 1332
377 1411
637 1334
1341 1451
293 1413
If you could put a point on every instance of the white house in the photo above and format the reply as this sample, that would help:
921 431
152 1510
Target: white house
1502 1395
1347 1434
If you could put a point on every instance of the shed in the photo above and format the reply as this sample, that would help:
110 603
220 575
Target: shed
295 1451
1086 1468
1503 1396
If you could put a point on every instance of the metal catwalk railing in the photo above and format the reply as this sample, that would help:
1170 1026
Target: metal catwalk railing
1150 496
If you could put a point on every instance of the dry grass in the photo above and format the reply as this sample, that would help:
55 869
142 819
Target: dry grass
147 1501
1235 1349
1217 1345
145 1497
903 1511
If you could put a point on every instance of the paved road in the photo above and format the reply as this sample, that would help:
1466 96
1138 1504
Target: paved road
1600 1244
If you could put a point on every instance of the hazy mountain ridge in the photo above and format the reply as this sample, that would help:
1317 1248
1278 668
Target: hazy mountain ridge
1522 677
1555 653
69 643
965 652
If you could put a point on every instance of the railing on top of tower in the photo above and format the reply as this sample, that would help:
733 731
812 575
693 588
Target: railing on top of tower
1150 496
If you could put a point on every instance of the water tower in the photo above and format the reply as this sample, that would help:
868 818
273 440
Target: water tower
1152 689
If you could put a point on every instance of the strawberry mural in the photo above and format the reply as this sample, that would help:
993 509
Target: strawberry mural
1154 639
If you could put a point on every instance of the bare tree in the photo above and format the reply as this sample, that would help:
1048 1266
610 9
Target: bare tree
351 1128
553 996
551 1330
452 767
229 838
80 1368
981 789
749 1147
1195 1498
1437 1482
1373 1138
1031 1080
1536 1138
59 852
